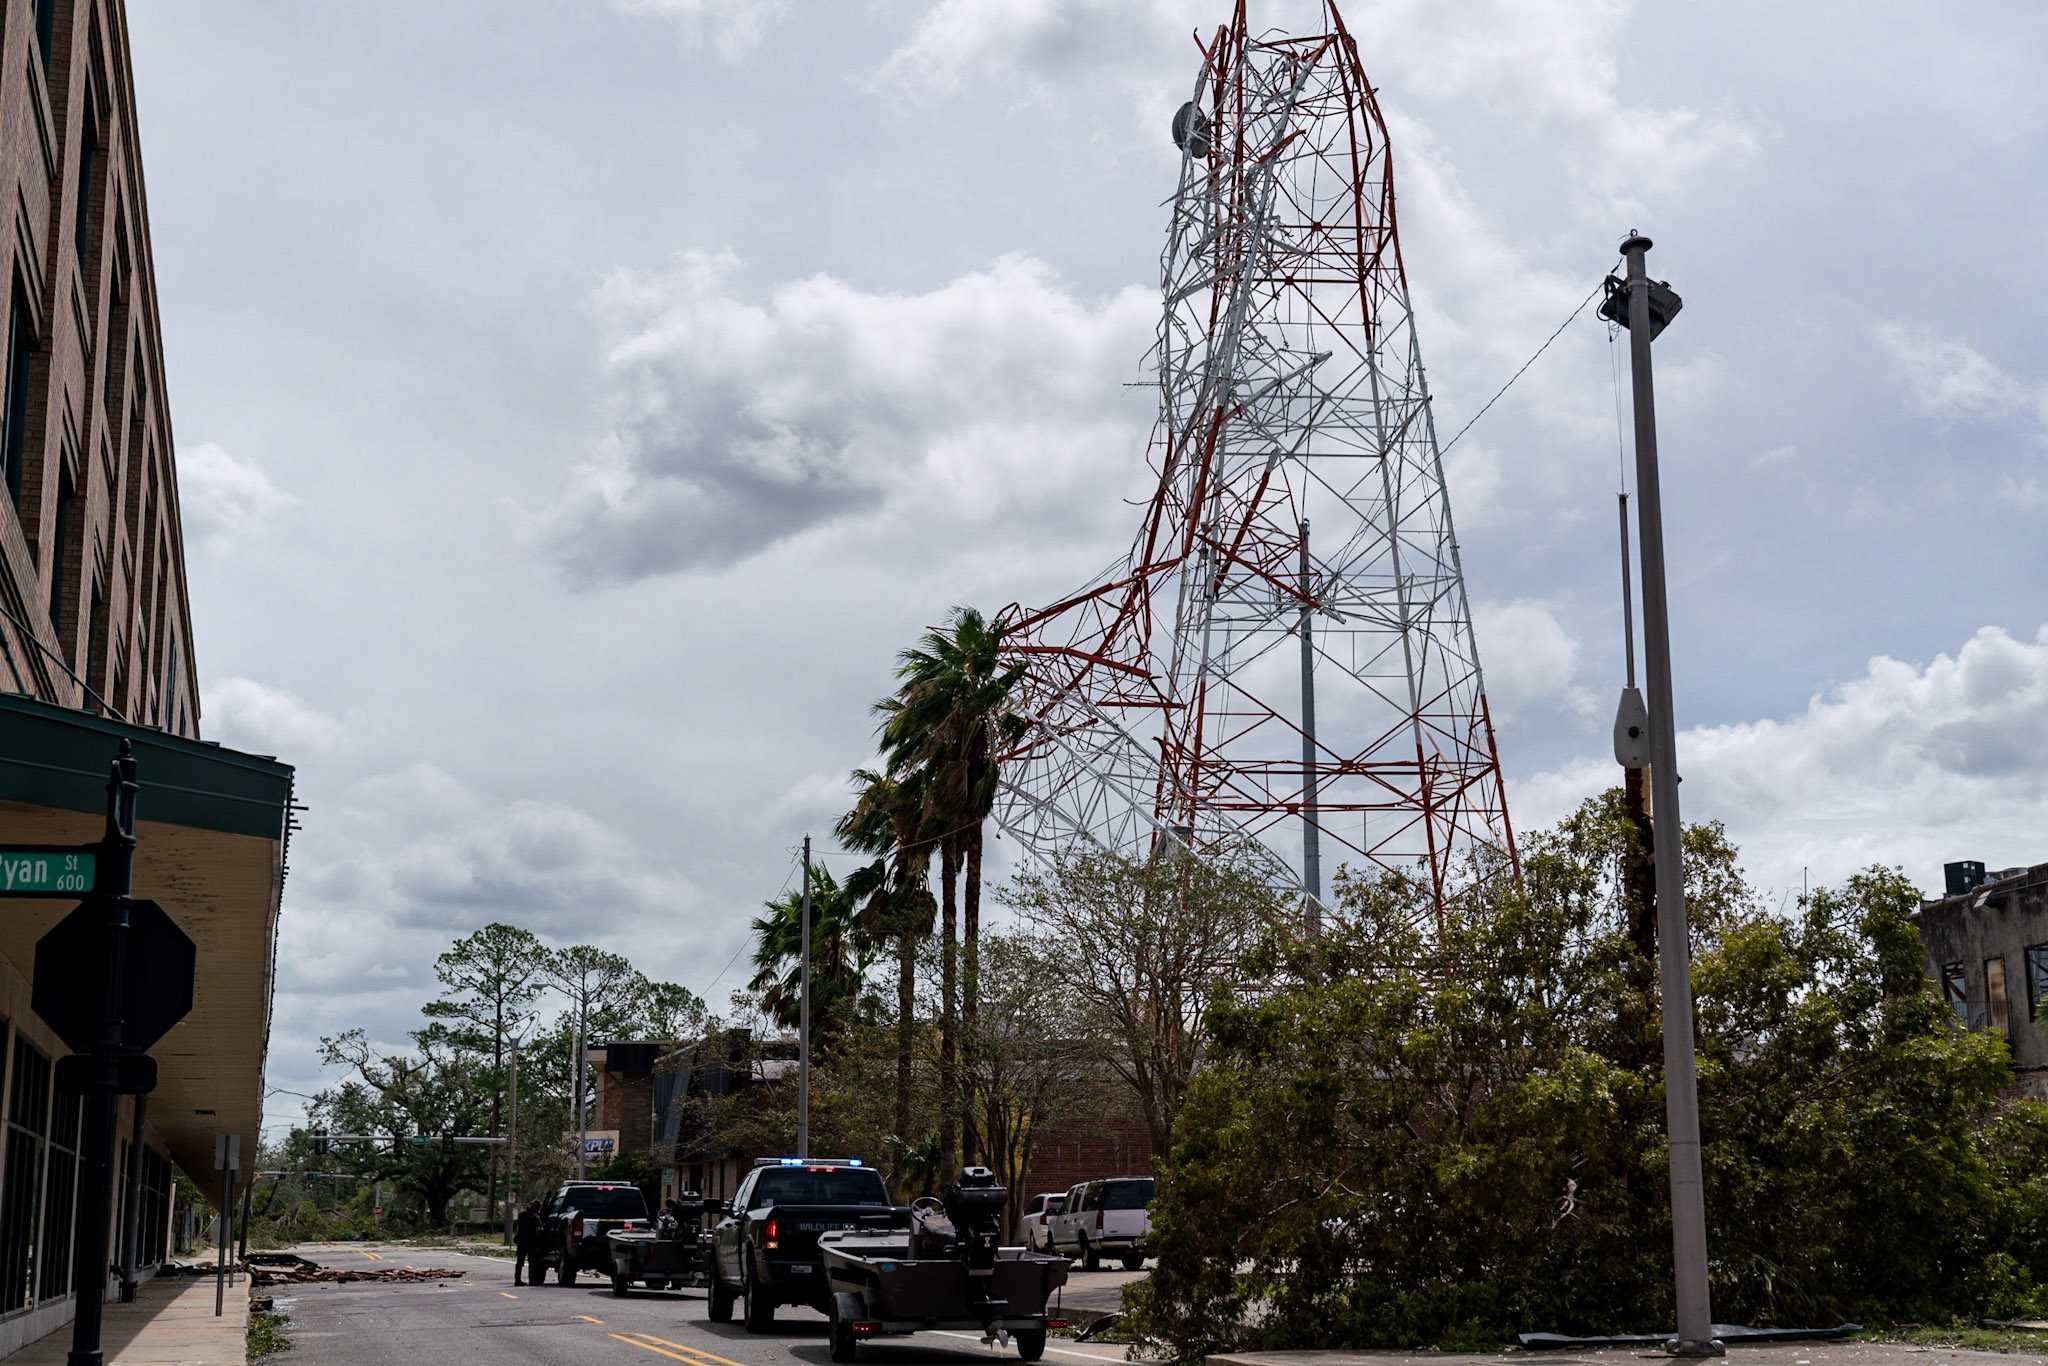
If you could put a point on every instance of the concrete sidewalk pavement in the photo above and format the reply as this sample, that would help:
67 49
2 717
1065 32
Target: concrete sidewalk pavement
171 1323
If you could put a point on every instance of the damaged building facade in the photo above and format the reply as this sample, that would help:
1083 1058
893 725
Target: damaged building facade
1986 941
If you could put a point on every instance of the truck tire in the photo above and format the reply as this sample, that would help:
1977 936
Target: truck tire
565 1274
1030 1343
1091 1260
759 1309
718 1300
618 1285
1133 1260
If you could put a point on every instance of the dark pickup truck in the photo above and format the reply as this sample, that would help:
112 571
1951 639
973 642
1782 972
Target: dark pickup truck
764 1251
574 1222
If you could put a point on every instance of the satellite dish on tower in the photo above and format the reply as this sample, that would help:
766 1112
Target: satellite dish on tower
1191 131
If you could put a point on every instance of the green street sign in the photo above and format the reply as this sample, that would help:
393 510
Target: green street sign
56 870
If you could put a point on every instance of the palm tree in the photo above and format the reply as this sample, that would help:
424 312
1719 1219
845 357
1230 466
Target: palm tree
895 904
842 950
950 721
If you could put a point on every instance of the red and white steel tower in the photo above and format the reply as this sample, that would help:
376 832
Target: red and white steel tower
1284 663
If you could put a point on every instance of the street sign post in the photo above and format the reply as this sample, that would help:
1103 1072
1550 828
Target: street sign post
49 870
111 979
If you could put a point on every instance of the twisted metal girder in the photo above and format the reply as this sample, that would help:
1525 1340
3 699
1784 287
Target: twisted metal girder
1294 426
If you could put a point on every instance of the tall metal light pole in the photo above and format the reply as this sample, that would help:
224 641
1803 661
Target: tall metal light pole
1648 308
1311 836
512 1150
576 1096
803 1055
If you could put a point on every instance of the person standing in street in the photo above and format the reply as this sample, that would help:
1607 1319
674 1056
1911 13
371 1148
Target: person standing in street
525 1234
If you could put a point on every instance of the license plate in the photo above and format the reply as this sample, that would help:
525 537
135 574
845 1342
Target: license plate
802 1268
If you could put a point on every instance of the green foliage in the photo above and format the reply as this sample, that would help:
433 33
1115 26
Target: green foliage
1445 1137
266 1335
842 951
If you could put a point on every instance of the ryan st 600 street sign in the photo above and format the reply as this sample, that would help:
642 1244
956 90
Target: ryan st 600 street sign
47 870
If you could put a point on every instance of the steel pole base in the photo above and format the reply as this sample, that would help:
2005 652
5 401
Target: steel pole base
77 1358
1695 1347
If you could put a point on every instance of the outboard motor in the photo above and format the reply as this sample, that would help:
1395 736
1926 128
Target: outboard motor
974 1206
678 1214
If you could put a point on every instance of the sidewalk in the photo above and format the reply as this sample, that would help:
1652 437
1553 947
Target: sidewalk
171 1323
1775 1354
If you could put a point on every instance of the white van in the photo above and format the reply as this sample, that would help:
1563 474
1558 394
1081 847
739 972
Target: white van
1110 1217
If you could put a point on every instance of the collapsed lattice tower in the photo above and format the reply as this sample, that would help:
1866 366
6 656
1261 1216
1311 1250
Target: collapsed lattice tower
1300 489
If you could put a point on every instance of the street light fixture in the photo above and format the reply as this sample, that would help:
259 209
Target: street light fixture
1646 307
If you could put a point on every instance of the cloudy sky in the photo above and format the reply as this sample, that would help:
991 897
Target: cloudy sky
579 402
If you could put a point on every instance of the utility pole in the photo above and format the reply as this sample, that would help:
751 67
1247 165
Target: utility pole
131 1204
1311 837
576 1096
803 1064
1632 752
512 1150
1649 307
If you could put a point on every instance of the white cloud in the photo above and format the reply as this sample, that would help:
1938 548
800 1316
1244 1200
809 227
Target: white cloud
735 26
246 715
1947 377
1911 765
224 499
986 409
1528 655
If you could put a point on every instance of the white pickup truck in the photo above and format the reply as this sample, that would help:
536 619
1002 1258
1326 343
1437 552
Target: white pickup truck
1110 1217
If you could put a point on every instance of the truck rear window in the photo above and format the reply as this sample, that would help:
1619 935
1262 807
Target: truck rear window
839 1186
618 1202
1126 1194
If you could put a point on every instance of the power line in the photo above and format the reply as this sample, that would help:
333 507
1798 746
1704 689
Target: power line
1526 364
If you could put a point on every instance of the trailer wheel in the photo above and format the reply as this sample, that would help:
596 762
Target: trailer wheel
844 1348
1030 1343
618 1285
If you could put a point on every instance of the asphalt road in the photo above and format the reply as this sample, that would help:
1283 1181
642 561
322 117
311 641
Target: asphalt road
481 1316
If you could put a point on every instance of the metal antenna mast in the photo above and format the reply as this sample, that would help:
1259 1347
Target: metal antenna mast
1291 389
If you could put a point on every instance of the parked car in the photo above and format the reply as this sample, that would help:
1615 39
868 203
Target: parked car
574 1222
764 1251
1110 1217
1034 1225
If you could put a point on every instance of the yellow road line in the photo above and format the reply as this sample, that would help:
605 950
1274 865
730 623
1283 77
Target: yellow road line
696 1351
649 1347
587 1319
508 1294
371 1255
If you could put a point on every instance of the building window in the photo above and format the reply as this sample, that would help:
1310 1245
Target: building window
2037 979
21 349
88 186
60 1198
1994 993
46 26
60 532
1956 991
28 1122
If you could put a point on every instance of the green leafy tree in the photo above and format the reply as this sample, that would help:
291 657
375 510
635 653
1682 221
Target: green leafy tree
490 980
1444 1136
435 1089
841 953
889 820
1025 1052
951 719
1146 945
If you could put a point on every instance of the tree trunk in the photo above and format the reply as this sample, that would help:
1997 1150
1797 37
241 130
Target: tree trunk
906 1030
949 1078
970 995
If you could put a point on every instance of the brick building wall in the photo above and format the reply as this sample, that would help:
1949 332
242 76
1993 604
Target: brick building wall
1106 1136
92 559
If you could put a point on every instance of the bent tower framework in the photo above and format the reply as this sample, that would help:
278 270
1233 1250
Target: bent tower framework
1300 492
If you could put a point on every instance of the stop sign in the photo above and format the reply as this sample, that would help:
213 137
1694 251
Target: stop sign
71 975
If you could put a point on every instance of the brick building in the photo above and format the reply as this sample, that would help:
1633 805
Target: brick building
96 650
1107 1136
1986 942
93 608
